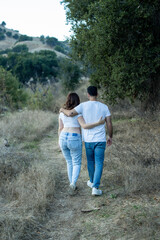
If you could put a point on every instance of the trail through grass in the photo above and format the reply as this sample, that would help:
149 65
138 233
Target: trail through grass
35 203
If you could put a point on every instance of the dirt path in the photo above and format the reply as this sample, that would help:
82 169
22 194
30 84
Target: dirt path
67 213
112 216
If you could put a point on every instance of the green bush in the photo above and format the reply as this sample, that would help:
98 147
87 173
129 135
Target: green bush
40 66
42 39
20 48
25 38
41 98
51 41
59 49
16 36
2 36
11 94
9 34
69 74
3 24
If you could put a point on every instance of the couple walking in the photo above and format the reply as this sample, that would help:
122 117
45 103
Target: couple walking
91 116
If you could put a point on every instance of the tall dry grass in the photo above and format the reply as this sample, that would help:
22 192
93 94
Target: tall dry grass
133 161
26 125
27 179
130 182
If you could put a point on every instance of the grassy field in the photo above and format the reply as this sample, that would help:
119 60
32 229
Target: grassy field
26 179
129 207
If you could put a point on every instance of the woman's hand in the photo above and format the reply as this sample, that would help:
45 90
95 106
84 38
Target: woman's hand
101 121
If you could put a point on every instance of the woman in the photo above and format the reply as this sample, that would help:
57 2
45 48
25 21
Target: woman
70 139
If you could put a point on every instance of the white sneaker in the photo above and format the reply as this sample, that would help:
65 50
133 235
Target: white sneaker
96 192
89 184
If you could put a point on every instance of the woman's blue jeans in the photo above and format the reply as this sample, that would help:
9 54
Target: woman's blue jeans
95 158
71 146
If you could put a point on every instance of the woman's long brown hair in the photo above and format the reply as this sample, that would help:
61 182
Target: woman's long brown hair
72 101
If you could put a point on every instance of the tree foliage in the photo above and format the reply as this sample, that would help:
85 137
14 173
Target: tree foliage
9 34
3 24
2 36
24 38
11 94
24 65
52 41
16 36
69 74
120 41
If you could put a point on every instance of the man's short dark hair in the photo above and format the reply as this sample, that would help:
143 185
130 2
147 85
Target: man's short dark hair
92 91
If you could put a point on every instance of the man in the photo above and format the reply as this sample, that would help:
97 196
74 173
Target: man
95 138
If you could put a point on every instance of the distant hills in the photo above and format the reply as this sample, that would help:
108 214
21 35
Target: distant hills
10 38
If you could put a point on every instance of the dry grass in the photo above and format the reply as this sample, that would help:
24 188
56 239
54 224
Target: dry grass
26 125
27 178
32 189
134 159
129 207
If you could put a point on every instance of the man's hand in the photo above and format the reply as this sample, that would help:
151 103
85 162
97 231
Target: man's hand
60 110
109 141
68 113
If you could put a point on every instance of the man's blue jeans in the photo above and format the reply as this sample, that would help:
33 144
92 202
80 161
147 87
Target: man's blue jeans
95 158
71 146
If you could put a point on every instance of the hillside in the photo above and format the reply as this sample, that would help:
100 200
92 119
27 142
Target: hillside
10 38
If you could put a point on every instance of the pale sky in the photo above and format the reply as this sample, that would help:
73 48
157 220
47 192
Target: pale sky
35 17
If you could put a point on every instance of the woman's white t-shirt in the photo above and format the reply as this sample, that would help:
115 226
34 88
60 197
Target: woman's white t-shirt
69 121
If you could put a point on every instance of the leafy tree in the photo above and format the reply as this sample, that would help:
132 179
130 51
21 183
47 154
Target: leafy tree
69 74
42 38
3 24
2 36
9 34
11 94
120 41
52 41
39 65
20 48
3 61
24 38
16 36
59 49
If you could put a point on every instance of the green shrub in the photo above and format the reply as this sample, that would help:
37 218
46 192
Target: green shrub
59 49
11 94
3 24
51 41
25 38
9 34
69 74
42 38
16 36
42 98
2 36
20 48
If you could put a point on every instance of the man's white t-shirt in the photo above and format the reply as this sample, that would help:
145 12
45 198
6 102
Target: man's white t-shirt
92 111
